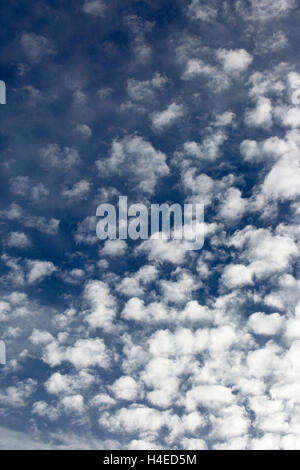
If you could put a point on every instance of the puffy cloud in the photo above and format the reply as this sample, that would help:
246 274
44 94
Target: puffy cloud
136 159
44 410
135 310
210 396
271 44
262 324
263 10
289 117
125 388
58 384
193 444
259 247
209 149
234 61
75 276
18 240
84 353
232 422
261 115
281 158
73 403
102 401
145 90
41 337
165 118
86 231
83 130
79 191
103 305
202 10
38 270
262 362
282 182
94 7
65 158
135 285
162 250
16 395
224 119
195 67
113 248
233 207
24 186
237 275
137 418
180 290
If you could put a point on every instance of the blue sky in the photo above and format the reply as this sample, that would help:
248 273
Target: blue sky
142 344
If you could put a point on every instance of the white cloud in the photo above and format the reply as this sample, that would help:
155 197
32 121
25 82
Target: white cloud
146 90
18 240
137 160
83 130
202 10
18 440
232 422
262 324
135 285
172 251
233 206
16 395
263 10
210 396
38 270
137 418
103 305
59 384
85 353
73 403
94 7
165 118
234 61
237 275
125 388
224 119
86 231
79 191
195 67
259 247
113 248
283 181
193 444
65 158
261 115
102 401
271 44
42 409
41 337
24 186
209 149
180 290
289 117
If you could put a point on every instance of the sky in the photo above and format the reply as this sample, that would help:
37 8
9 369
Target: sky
141 344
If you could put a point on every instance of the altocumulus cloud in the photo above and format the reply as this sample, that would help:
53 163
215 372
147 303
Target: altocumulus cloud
126 345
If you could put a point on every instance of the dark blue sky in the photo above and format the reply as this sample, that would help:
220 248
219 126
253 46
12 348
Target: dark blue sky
144 344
